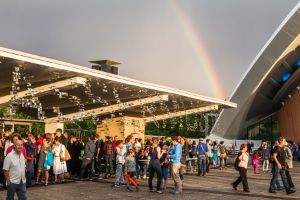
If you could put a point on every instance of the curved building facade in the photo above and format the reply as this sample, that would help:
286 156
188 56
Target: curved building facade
268 95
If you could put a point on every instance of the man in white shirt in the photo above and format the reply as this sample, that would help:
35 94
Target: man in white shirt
14 172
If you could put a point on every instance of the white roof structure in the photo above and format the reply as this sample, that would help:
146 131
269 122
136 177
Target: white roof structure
64 91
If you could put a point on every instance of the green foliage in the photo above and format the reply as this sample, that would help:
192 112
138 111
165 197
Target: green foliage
87 124
36 129
186 126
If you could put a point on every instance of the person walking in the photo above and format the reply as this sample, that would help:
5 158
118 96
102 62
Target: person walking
279 159
243 158
14 172
175 156
201 150
289 165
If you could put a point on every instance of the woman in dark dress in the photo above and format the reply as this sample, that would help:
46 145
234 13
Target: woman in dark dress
154 166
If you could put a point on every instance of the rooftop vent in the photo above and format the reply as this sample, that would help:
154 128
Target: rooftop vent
105 66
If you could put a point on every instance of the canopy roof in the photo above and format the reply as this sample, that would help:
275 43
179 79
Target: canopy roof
66 89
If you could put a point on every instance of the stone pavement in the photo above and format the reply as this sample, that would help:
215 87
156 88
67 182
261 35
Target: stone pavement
216 185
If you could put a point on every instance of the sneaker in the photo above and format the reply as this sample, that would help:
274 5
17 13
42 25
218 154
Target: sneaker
128 189
174 192
272 191
152 190
234 186
280 188
158 191
115 185
290 191
247 190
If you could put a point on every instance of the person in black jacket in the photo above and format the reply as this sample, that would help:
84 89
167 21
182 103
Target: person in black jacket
87 163
62 138
109 156
279 159
185 152
138 157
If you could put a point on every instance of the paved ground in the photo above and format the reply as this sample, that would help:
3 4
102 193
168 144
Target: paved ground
216 185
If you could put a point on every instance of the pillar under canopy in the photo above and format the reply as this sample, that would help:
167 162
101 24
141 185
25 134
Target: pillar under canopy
122 127
51 127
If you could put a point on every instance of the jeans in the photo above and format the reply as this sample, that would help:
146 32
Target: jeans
189 165
223 160
208 162
145 169
138 169
20 189
86 164
265 165
277 182
289 178
155 168
175 173
119 175
202 165
242 178
109 161
282 173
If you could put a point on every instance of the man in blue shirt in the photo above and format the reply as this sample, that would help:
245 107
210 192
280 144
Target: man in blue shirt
175 156
201 150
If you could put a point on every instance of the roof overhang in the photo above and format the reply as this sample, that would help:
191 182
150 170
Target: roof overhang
76 89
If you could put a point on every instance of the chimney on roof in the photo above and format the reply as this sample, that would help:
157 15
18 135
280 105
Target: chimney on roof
105 66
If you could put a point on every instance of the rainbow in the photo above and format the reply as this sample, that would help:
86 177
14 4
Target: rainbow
199 48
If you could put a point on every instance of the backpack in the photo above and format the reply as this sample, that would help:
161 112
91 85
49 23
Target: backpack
237 161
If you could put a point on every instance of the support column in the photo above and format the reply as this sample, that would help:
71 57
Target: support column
122 127
51 127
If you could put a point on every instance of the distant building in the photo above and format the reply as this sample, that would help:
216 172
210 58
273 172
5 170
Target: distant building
268 95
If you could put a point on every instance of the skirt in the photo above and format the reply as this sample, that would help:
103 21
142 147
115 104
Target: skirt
58 166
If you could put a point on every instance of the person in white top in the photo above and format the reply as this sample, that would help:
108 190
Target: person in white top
59 163
14 172
243 158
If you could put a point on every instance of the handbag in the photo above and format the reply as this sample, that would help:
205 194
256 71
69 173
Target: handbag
66 157
207 154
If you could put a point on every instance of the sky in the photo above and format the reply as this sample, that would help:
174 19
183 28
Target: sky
201 46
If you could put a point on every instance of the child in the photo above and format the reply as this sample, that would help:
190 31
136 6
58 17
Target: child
255 161
130 168
138 157
164 163
120 163
265 154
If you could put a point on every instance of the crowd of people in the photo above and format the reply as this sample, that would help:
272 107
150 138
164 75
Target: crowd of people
54 157
277 158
